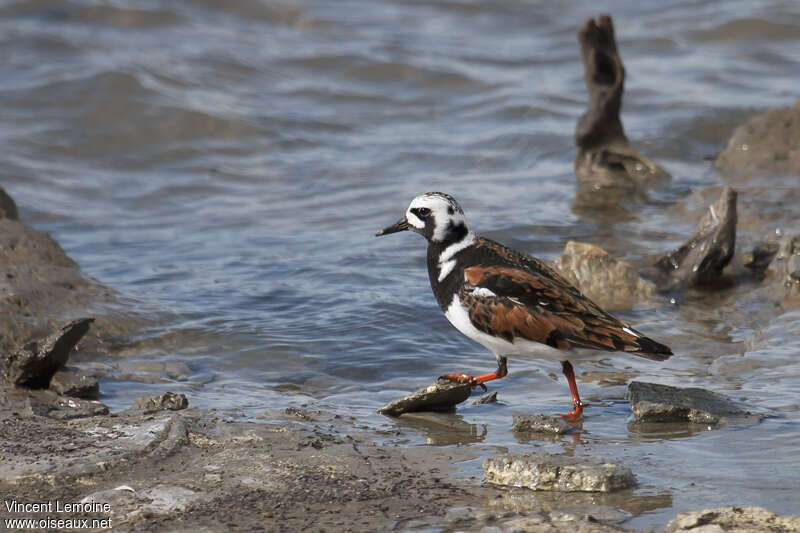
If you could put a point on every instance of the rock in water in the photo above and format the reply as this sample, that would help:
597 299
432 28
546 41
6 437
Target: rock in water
787 261
701 259
608 170
539 423
607 281
759 257
541 471
167 401
443 395
767 144
73 383
738 519
486 398
651 402
35 363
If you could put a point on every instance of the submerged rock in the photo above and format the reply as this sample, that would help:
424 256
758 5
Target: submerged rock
787 260
606 167
539 423
486 398
768 143
167 401
651 402
35 363
74 383
609 282
540 471
701 259
734 519
759 257
443 395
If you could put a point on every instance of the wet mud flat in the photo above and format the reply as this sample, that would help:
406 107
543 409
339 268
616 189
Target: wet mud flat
195 469
306 470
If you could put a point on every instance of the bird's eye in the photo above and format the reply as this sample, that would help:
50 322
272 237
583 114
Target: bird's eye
423 212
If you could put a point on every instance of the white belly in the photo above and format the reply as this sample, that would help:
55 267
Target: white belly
458 316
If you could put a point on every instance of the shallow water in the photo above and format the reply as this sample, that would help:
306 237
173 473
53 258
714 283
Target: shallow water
227 168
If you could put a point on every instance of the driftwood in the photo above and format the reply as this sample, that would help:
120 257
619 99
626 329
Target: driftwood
608 169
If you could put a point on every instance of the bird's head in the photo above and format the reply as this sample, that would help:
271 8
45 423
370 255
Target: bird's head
434 215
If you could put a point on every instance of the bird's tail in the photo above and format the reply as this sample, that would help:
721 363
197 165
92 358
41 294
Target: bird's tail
654 350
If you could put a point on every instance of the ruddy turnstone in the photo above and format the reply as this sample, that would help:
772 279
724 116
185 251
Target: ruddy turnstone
510 302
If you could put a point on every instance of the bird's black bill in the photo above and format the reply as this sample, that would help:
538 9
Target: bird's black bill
400 225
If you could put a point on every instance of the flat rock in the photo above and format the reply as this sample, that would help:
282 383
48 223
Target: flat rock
74 383
443 395
609 282
34 364
651 402
65 450
700 260
768 143
125 503
46 403
734 520
540 471
539 423
67 408
166 401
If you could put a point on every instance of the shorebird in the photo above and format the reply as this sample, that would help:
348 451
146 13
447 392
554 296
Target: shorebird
510 302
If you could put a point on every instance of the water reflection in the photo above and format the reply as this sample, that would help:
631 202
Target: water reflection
607 507
570 440
665 430
443 429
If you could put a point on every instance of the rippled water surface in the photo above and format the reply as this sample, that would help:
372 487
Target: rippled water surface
225 165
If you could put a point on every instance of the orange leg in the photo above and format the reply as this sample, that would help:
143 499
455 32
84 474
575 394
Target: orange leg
577 404
502 371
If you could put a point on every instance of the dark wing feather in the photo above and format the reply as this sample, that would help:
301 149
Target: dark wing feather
537 304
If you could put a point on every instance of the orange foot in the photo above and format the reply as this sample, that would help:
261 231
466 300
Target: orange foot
576 413
477 381
465 378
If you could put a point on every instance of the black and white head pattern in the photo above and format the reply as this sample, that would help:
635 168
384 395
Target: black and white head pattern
437 216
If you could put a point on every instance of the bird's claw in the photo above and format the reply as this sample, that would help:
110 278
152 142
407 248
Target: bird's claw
464 378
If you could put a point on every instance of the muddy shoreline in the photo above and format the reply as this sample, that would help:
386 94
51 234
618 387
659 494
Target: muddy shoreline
301 471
